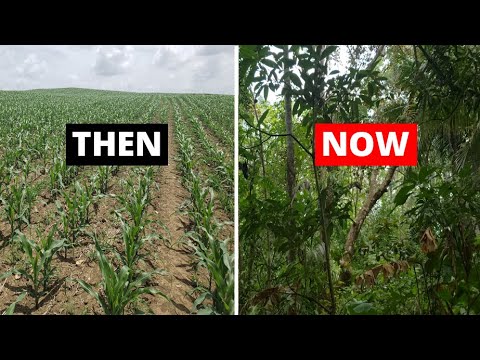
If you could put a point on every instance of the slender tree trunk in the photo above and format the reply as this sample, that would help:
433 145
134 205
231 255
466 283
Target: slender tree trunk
290 149
323 204
288 125
375 192
252 245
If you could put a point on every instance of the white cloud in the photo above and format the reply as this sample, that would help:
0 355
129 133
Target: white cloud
113 61
152 68
166 57
215 50
32 67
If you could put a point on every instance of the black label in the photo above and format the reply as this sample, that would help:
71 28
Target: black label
117 144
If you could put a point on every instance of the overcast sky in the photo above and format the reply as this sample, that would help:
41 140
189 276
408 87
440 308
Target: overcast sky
144 68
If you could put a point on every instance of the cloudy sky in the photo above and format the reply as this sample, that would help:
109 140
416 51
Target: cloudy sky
144 68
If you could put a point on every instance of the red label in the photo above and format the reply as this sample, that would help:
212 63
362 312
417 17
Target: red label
366 144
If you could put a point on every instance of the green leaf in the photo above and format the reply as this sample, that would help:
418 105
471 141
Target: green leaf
403 195
370 89
200 300
269 63
363 309
88 288
206 311
328 51
263 117
295 80
11 308
362 74
7 274
334 72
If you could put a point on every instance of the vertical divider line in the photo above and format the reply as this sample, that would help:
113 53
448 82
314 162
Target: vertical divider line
236 232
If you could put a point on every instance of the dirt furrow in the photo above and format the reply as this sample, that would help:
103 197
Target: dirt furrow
173 256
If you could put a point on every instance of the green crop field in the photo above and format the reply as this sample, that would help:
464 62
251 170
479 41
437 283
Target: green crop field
109 239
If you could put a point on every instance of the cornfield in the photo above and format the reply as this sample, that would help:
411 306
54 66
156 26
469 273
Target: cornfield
110 239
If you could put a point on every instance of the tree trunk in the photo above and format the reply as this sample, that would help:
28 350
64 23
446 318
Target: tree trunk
375 192
290 151
288 126
324 205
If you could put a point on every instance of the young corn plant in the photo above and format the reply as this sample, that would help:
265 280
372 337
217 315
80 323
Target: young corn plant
38 267
56 174
136 201
17 205
186 155
135 204
26 170
61 176
74 215
219 262
202 211
133 241
5 177
83 198
118 287
69 219
101 179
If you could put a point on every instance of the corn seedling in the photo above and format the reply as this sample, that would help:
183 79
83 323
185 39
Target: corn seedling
133 241
118 287
61 175
216 258
203 208
17 205
83 198
136 201
135 204
56 174
74 215
39 268
101 179
26 170
186 152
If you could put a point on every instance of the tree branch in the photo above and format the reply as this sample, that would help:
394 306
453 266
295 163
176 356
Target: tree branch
257 145
280 135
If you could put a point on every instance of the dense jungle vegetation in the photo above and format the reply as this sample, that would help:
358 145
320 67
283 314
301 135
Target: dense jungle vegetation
359 240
